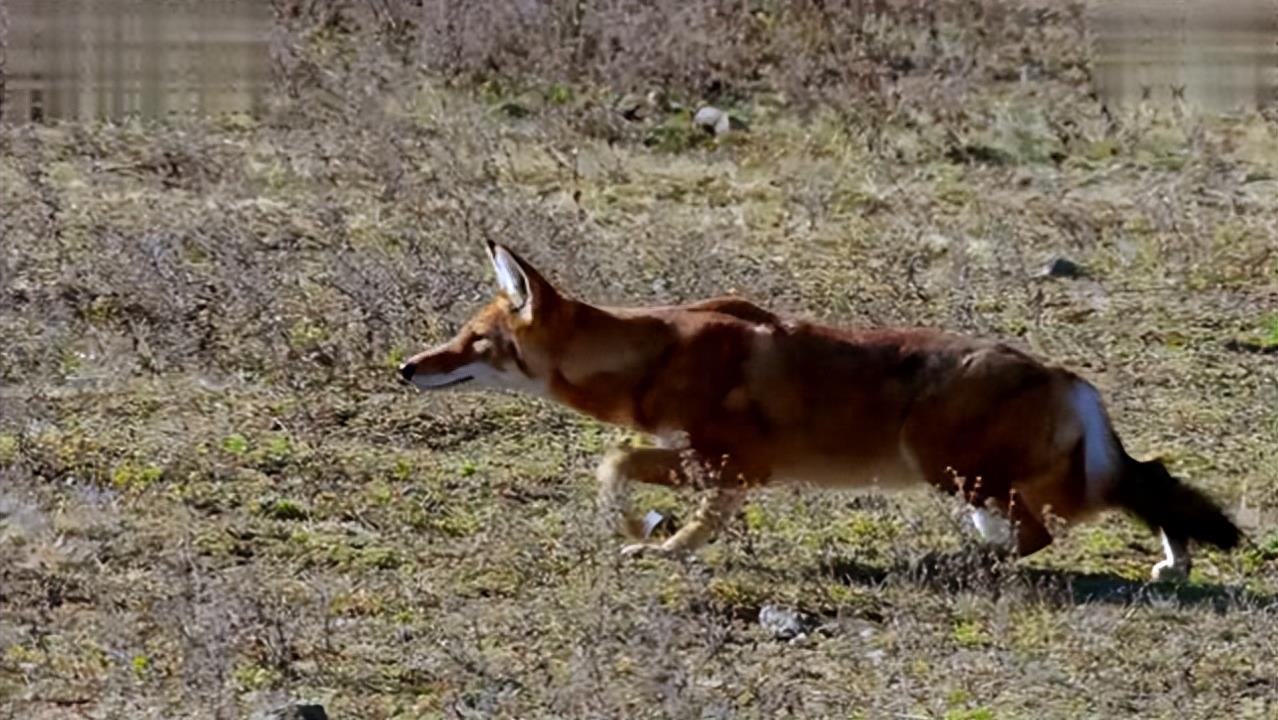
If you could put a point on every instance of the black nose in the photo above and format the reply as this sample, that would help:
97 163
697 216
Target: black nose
407 371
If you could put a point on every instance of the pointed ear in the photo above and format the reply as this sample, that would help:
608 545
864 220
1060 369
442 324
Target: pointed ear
522 284
510 276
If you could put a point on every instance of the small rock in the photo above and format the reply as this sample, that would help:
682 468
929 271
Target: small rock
782 623
1059 267
936 243
713 120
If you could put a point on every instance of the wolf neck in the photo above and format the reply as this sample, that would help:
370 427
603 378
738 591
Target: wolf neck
607 360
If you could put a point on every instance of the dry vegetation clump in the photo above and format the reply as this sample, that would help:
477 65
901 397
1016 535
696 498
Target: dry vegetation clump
215 498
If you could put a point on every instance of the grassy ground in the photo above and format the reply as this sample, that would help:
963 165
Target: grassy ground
215 497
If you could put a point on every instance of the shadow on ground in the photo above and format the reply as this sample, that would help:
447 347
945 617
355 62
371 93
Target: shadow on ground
972 570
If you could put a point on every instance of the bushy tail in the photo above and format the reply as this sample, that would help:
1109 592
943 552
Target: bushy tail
1166 503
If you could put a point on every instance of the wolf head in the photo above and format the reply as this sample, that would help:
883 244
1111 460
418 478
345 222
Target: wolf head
503 345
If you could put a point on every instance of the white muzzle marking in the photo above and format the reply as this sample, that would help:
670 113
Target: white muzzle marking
460 376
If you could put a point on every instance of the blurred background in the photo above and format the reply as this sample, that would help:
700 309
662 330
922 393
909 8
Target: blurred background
90 59
87 59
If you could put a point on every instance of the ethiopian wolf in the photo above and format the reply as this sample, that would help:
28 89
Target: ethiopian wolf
764 399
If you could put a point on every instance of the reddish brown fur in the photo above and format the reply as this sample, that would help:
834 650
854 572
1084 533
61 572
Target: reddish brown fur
782 400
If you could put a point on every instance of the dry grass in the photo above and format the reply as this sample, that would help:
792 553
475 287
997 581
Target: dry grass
214 496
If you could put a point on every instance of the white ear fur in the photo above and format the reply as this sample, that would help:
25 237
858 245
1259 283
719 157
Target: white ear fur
511 278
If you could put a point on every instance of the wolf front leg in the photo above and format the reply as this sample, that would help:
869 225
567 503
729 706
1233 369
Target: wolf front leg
623 466
665 466
716 509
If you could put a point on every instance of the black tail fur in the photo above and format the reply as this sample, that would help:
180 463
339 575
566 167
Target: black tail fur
1166 503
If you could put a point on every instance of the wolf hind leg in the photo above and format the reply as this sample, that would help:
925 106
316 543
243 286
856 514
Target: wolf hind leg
993 526
1175 566
1010 528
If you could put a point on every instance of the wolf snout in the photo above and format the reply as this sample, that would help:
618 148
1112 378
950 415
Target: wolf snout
407 371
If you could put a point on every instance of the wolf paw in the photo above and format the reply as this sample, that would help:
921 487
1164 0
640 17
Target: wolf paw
1167 571
635 550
